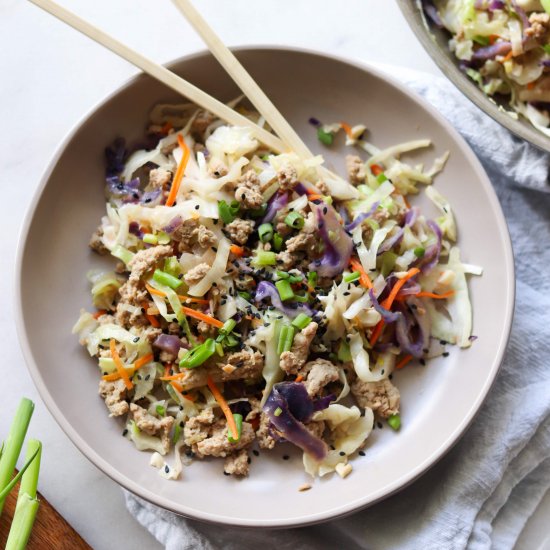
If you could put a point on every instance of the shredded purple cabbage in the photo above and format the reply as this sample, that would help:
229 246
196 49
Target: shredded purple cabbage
490 52
338 244
387 315
496 5
173 224
431 256
391 242
275 203
431 11
412 328
522 15
134 229
287 403
268 290
362 217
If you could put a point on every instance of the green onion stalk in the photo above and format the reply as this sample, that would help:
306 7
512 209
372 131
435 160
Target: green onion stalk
27 503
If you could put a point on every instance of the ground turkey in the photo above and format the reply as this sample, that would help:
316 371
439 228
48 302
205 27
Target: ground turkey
191 233
292 361
153 426
159 178
96 242
248 191
196 274
239 230
382 397
114 394
318 374
237 464
356 169
288 178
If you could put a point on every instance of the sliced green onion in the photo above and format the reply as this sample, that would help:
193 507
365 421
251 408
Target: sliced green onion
278 411
149 238
263 258
285 290
187 329
481 40
245 295
301 321
177 432
225 213
161 411
325 137
353 276
231 341
394 421
166 279
419 251
546 47
163 238
294 220
239 423
301 299
123 254
277 242
286 337
228 326
219 349
312 279
381 178
198 355
344 353
387 262
265 232
258 212
282 274
172 266
14 442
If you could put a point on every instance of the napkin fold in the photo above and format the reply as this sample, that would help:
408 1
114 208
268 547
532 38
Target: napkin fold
480 495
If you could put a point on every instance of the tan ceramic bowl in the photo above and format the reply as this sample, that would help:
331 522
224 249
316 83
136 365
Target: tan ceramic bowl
439 401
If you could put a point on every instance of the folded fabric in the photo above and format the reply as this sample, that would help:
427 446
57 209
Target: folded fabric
480 494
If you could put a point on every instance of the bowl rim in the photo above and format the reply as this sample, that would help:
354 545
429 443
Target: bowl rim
520 127
183 510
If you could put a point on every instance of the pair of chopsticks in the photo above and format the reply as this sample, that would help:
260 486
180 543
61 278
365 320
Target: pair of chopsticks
288 139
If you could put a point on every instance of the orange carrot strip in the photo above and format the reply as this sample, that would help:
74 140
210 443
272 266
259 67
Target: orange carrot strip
151 318
299 378
315 197
387 303
441 296
508 56
202 317
347 128
530 85
137 365
493 38
179 172
177 376
120 366
99 313
404 361
376 169
237 250
364 279
166 128
142 361
180 296
231 426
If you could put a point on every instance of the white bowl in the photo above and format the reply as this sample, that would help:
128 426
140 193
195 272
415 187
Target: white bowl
438 401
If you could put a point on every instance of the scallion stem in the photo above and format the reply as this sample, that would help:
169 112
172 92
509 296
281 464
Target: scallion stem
166 279
264 258
295 220
284 289
301 321
265 232
14 442
239 423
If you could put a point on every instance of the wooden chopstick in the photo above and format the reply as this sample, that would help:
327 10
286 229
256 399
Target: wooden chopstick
243 79
162 74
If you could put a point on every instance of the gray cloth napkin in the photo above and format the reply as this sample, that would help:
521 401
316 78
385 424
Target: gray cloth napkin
481 494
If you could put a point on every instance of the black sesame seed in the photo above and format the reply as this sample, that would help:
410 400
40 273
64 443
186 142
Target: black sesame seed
215 222
422 362
197 206
342 453
346 293
243 196
285 457
105 373
226 474
445 354
136 339
248 460
147 200
147 377
124 433
255 452
379 424
361 453
443 342
425 350
325 210
167 468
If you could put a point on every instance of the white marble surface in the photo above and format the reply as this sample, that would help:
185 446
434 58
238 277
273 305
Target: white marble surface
50 76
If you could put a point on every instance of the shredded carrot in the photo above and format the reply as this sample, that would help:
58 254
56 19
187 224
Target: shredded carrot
179 172
315 197
441 296
493 38
310 192
151 318
99 313
508 56
237 250
137 365
404 361
299 378
202 317
531 85
364 279
167 369
177 376
180 296
120 366
387 303
376 169
231 426
347 128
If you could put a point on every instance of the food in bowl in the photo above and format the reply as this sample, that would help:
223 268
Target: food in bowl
254 303
503 46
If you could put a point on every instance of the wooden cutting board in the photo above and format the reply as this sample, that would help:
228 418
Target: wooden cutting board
50 530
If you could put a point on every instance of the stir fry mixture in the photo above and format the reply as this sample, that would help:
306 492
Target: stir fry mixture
254 303
504 47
